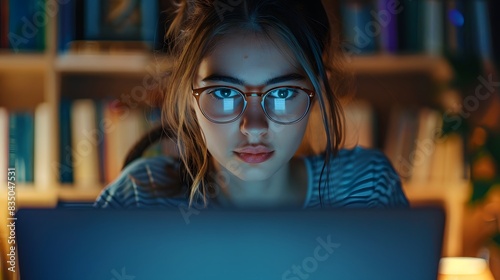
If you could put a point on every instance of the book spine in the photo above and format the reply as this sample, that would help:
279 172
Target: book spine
358 28
454 164
359 127
4 24
482 31
84 144
410 31
103 130
42 139
386 16
149 19
40 19
433 27
4 145
29 144
92 19
27 23
21 145
65 166
429 122
129 130
12 140
67 25
111 165
455 28
495 29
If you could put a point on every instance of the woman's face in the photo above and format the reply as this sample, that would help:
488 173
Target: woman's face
253 148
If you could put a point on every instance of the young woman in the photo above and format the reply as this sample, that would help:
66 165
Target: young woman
245 77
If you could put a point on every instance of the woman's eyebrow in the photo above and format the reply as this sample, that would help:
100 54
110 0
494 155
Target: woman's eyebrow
285 78
236 81
223 78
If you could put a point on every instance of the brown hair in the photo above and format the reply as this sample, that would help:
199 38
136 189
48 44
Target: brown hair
302 25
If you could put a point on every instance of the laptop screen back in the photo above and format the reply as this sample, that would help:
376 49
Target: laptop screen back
282 244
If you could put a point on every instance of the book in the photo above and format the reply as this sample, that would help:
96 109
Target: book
110 165
92 19
454 163
386 16
67 25
390 147
126 126
4 145
438 163
359 124
400 140
42 141
4 24
494 8
455 30
128 20
482 30
409 127
65 165
410 32
429 125
102 128
149 20
27 24
359 28
84 144
21 145
433 27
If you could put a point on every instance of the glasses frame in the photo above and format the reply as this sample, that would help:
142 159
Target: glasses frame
197 93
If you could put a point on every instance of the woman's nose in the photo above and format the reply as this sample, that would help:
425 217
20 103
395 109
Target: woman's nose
254 122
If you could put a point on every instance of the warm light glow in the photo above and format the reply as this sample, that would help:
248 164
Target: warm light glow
464 268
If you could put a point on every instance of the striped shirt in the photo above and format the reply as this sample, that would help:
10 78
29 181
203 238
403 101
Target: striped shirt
357 178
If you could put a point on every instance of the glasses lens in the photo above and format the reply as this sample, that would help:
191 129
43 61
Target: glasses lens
221 104
286 105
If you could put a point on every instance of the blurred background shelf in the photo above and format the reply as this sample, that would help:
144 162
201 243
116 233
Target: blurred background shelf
30 62
134 63
386 64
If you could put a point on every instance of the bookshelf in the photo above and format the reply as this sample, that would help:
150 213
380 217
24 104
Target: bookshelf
33 78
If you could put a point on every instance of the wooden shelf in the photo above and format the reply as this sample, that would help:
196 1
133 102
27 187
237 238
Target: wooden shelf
31 196
24 62
75 194
438 67
134 63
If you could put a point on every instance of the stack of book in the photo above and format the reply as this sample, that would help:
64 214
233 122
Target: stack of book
23 24
94 138
435 27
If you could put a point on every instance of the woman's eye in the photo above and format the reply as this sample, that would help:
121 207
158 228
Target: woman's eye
224 93
284 93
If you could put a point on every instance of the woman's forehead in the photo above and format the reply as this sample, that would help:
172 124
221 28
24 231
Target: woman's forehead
249 56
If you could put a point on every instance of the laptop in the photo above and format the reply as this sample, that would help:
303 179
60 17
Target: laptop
215 244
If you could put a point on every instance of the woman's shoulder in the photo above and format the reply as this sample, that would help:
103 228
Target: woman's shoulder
354 160
145 182
357 177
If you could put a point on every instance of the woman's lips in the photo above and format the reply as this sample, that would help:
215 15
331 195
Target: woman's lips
254 154
254 158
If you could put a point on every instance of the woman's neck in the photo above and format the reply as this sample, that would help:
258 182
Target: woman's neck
286 188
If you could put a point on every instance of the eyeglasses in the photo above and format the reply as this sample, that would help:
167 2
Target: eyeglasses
225 104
